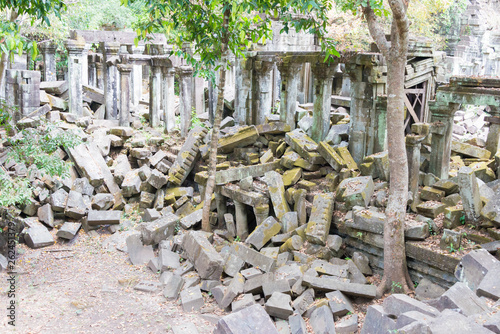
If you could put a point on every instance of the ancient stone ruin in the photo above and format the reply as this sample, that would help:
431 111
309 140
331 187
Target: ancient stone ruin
301 186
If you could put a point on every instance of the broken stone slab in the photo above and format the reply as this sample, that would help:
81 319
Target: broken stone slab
38 236
489 286
138 253
251 198
369 219
45 215
160 229
235 288
75 207
324 267
192 299
302 302
460 297
239 173
86 165
252 319
168 260
102 201
207 261
356 191
474 266
377 321
157 179
320 220
396 304
329 154
245 136
297 324
431 209
427 290
172 284
69 230
253 257
96 217
339 303
347 324
491 210
273 128
289 222
150 215
469 192
121 169
148 286
185 328
58 200
276 285
346 156
470 150
233 265
450 240
187 156
321 320
332 284
131 184
263 233
362 262
301 143
278 305
453 322
191 219
277 193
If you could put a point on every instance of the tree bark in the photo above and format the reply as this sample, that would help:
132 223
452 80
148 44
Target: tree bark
396 277
212 161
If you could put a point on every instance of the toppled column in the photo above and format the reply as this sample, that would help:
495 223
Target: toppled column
241 220
442 128
110 74
168 88
323 79
469 192
185 86
75 88
263 101
155 92
318 227
125 71
49 60
289 81
277 193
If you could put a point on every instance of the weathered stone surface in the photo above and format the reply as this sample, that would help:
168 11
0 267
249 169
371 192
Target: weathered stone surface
102 201
96 217
427 290
235 288
469 192
318 226
191 219
329 154
276 285
362 262
431 194
301 303
172 285
168 260
253 257
332 284
450 240
297 324
339 303
304 146
192 299
453 322
233 265
277 193
138 253
289 222
321 320
157 179
430 209
279 305
263 233
160 229
347 325
38 236
86 164
58 200
291 176
131 184
370 220
474 266
324 267
208 263
148 286
377 321
150 215
244 137
460 297
356 191
470 150
69 230
396 304
489 286
252 319
187 156
491 210
45 215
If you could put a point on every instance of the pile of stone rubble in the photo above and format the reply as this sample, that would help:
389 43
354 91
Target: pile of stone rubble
286 260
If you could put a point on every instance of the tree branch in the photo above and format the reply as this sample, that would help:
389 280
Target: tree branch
376 30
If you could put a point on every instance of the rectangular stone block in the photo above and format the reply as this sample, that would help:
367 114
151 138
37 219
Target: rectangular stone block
332 157
304 146
253 257
160 229
208 263
318 226
96 217
263 233
277 193
331 284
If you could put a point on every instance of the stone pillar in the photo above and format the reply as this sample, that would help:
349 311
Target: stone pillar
85 64
110 73
91 58
263 90
243 91
125 70
441 129
49 61
168 97
261 213
323 79
99 72
136 77
185 106
22 89
155 92
241 220
289 83
493 140
75 88
221 209
413 144
198 91
469 192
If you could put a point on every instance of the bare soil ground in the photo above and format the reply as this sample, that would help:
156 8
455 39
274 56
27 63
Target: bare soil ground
83 288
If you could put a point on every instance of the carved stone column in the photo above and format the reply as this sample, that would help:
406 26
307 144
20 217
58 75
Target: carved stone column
49 60
323 78
168 97
155 91
263 90
243 91
185 85
125 70
91 60
99 72
110 74
289 82
75 88
413 144
136 77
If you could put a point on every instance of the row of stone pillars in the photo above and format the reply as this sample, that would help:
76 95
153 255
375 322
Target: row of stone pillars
120 77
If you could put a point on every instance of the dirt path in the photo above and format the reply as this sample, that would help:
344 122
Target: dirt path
89 289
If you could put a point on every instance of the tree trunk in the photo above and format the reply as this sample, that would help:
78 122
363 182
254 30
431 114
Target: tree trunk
4 62
212 161
396 277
